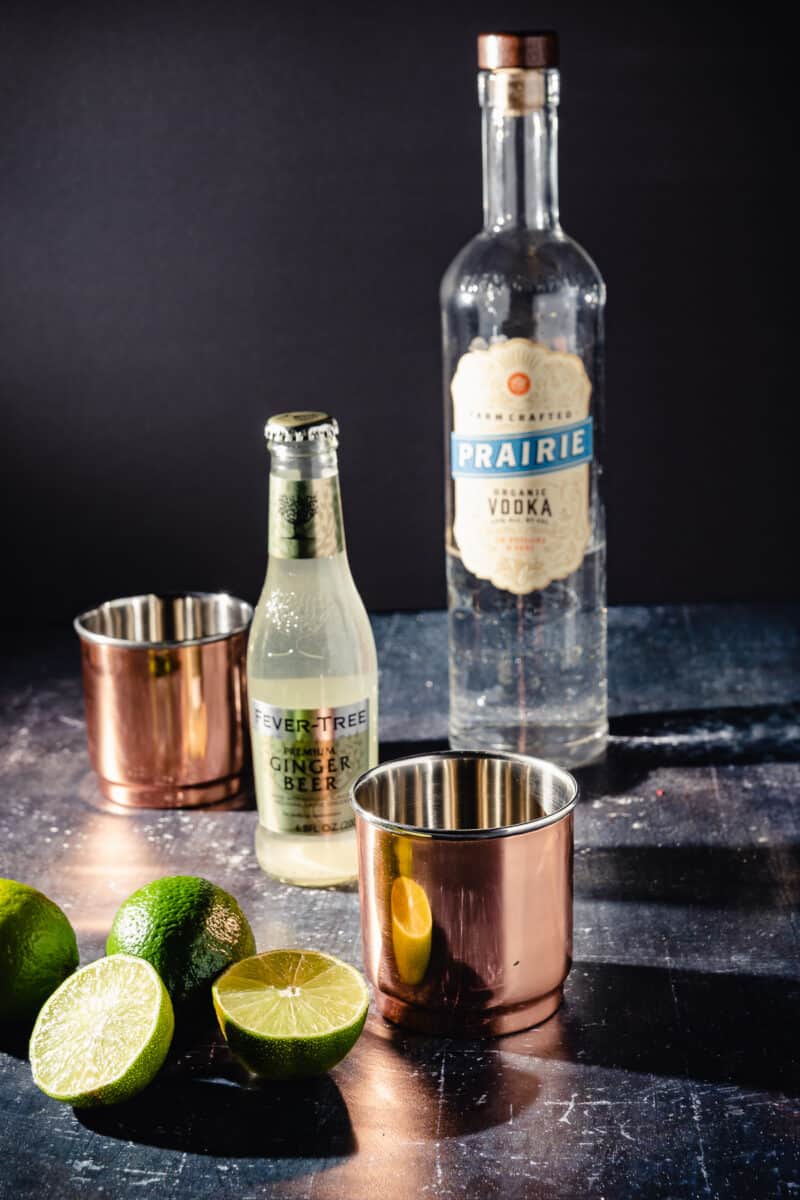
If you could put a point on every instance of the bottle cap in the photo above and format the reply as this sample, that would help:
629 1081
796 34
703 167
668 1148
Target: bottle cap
292 427
522 50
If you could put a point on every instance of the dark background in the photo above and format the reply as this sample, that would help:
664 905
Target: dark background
211 212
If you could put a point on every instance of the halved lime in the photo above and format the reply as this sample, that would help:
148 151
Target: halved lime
290 1014
104 1034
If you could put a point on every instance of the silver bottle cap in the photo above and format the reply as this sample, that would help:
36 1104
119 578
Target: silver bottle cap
292 427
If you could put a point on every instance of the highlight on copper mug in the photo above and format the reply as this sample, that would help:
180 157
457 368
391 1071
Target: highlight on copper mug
465 879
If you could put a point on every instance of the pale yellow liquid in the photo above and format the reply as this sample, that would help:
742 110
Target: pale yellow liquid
311 646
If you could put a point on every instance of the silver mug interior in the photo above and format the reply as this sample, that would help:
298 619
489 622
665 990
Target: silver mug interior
151 620
462 794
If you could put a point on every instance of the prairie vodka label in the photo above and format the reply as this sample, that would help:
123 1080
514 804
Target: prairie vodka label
307 759
519 456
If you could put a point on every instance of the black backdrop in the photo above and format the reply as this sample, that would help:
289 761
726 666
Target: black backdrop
213 211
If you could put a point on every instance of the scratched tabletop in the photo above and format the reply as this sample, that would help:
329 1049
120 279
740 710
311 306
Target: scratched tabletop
670 1071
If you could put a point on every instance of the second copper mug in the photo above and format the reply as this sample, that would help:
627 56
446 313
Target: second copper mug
465 878
164 682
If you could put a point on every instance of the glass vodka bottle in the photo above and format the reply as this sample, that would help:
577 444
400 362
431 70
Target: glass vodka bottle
522 311
311 666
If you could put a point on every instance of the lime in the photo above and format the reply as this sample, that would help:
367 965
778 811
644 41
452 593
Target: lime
412 926
103 1035
289 1014
188 928
37 950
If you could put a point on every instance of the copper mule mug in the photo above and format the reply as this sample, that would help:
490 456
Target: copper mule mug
465 877
164 683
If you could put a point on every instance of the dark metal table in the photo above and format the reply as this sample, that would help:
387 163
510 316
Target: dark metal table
671 1069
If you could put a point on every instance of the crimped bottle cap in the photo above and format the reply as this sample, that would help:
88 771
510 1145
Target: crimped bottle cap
292 427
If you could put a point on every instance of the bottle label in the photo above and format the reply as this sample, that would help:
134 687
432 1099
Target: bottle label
308 758
305 517
520 451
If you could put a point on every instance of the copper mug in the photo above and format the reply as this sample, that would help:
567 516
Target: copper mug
465 879
164 681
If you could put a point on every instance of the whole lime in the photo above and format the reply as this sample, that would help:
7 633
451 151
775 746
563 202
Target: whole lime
37 950
187 928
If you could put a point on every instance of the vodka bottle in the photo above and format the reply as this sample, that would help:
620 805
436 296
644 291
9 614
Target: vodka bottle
522 309
311 666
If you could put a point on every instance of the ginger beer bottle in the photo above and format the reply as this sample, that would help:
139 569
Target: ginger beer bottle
311 666
522 313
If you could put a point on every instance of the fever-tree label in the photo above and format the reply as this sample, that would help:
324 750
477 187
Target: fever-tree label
308 758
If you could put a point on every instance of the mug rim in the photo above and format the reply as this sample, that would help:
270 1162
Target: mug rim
107 639
468 834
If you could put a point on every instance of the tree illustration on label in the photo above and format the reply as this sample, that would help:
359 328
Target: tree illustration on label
305 518
298 509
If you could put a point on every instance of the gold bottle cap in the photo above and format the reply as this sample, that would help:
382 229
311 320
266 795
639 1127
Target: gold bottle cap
293 427
523 49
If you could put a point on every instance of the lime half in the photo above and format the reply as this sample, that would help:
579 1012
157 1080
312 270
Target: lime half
290 1014
103 1035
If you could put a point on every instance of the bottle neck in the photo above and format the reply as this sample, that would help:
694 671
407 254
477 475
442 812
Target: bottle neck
520 148
305 505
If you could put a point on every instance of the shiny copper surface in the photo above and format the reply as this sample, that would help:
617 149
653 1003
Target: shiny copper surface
487 872
164 720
